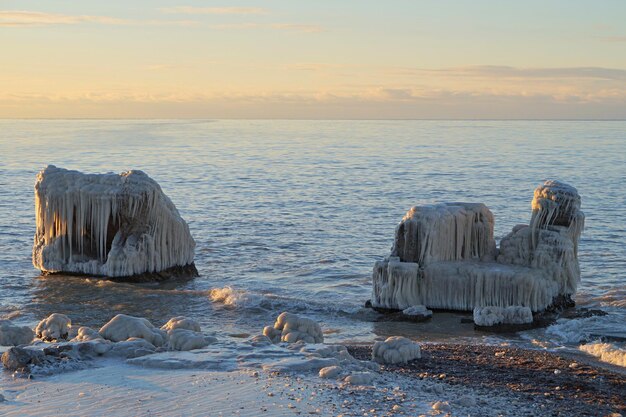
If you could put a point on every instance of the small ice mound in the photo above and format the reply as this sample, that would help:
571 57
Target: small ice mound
56 326
12 335
442 406
181 322
396 349
123 327
360 378
86 334
184 339
330 372
606 352
490 315
259 340
291 328
134 347
417 313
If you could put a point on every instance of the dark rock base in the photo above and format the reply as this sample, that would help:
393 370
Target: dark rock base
174 273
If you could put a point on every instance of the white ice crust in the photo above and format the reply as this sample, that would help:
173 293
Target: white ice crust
490 316
123 327
396 349
445 256
291 328
419 310
86 334
106 224
13 335
184 339
55 326
181 322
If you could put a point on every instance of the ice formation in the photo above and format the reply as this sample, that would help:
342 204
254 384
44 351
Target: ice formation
396 349
184 339
291 328
490 316
55 326
107 224
123 327
444 256
86 334
419 310
181 322
12 335
360 378
330 372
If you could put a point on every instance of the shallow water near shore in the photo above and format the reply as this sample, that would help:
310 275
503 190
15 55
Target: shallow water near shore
292 215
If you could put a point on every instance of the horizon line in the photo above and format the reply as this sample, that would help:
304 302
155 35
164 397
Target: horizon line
323 119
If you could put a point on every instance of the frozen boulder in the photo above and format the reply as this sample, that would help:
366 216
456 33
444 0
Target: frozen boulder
108 225
291 328
56 326
396 349
12 335
444 256
123 327
183 339
181 322
132 348
17 358
491 316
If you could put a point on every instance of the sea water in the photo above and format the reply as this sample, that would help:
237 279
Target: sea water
292 215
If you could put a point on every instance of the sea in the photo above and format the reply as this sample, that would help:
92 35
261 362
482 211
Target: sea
290 215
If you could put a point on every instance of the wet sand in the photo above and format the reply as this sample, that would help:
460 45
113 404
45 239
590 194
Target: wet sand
555 385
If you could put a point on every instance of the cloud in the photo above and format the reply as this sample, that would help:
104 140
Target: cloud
292 27
22 18
213 10
613 38
500 71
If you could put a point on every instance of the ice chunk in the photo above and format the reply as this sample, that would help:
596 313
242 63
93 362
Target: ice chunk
330 372
86 334
291 328
181 322
107 224
396 349
360 378
123 327
55 326
12 335
184 339
490 316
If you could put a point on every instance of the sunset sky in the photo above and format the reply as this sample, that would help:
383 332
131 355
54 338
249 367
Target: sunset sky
316 59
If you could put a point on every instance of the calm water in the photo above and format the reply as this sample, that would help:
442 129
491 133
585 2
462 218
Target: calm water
291 215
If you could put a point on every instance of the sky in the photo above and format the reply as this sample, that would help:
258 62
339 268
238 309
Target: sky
324 59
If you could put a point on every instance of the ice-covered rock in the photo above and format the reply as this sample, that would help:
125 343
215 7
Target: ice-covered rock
107 224
396 349
291 328
444 256
417 313
181 322
184 339
12 335
17 358
490 315
56 326
86 334
134 347
123 327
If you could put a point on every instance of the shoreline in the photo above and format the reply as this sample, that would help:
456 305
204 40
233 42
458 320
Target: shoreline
558 384
449 379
